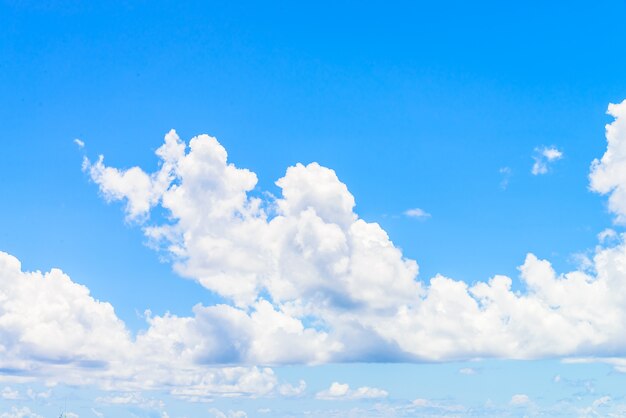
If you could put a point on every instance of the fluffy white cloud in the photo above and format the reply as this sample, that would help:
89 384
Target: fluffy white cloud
342 391
53 331
307 281
608 175
543 157
311 282
46 316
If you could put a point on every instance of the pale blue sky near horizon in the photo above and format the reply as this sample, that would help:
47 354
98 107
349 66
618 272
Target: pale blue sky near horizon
413 104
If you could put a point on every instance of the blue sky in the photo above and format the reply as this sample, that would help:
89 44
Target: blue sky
441 107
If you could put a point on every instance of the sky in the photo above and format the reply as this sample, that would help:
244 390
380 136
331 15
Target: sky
351 209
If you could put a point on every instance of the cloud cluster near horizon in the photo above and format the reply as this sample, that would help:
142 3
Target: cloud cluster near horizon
306 280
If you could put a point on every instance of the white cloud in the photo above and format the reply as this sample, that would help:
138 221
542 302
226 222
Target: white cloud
38 395
9 393
97 413
80 144
467 371
48 317
23 412
131 398
313 258
216 413
342 391
520 399
607 235
289 390
53 331
436 407
417 213
601 401
543 157
608 175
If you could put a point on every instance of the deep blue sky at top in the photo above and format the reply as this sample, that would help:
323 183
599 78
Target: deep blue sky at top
414 104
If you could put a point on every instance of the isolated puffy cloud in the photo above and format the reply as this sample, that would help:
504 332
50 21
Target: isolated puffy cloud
543 157
342 391
310 282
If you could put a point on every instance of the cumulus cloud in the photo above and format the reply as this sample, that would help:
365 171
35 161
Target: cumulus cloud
305 280
53 331
608 174
342 391
417 213
317 277
543 157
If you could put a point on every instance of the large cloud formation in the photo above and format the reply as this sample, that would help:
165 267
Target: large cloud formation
303 268
53 331
305 280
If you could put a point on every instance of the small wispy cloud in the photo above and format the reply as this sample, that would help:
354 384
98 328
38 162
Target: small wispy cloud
607 235
97 413
520 399
417 213
339 391
506 176
543 157
9 393
80 144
